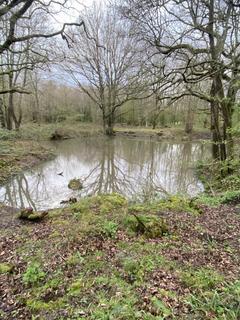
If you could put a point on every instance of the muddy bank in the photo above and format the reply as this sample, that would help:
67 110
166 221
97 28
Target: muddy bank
18 155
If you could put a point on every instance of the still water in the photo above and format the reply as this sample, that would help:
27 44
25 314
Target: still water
138 169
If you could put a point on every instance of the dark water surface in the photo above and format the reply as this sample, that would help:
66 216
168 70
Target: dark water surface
139 169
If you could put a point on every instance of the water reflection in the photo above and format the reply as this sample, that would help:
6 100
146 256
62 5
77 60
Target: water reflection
138 169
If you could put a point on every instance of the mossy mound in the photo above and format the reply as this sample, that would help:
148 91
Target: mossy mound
149 225
75 184
29 214
175 203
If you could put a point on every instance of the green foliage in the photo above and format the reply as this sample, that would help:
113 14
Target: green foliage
121 306
222 198
110 228
37 305
222 304
75 259
203 278
76 287
33 274
131 266
220 176
8 134
161 309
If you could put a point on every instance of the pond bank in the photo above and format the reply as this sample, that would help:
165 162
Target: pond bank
161 134
92 260
71 129
23 149
18 155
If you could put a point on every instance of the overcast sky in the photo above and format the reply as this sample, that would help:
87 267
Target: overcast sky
70 15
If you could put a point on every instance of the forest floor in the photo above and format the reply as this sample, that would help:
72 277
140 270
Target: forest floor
102 258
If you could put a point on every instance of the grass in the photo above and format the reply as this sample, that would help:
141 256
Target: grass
73 128
221 181
86 262
174 132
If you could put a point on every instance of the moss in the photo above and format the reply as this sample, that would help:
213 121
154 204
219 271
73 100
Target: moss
110 202
149 225
75 184
39 305
86 265
6 268
174 203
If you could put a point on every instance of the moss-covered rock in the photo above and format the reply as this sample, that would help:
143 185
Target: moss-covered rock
150 226
75 184
29 214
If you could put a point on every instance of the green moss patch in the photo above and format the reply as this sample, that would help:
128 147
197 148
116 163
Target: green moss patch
6 268
101 258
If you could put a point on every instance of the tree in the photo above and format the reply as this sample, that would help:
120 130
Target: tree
12 12
105 62
202 40
24 25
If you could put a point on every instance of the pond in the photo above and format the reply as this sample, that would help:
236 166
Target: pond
139 169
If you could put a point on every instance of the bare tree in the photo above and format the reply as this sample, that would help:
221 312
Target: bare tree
199 40
23 26
105 62
12 12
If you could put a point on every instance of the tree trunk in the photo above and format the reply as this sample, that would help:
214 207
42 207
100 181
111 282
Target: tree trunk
189 119
10 112
109 128
2 114
154 124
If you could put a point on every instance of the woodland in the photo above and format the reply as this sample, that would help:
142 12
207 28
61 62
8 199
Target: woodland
119 159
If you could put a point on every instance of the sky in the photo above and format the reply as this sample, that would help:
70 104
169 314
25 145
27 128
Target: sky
67 16
70 15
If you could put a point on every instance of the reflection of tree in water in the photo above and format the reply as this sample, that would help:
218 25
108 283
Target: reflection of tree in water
143 167
109 175
18 193
135 168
